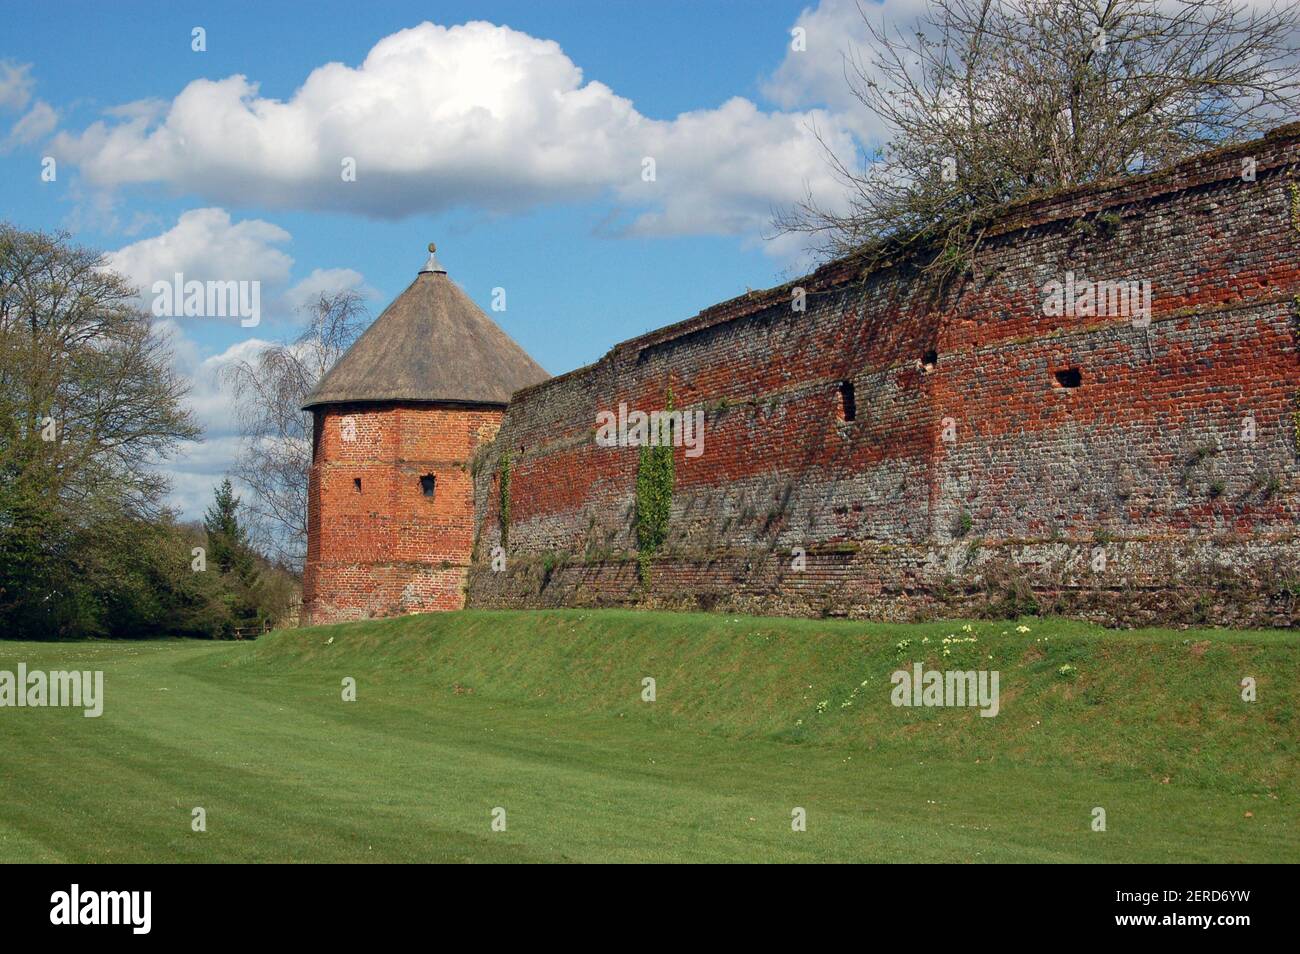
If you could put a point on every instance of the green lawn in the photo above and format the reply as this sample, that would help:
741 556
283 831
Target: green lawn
541 714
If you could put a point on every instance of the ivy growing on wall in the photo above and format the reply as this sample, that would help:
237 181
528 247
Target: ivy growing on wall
654 499
503 481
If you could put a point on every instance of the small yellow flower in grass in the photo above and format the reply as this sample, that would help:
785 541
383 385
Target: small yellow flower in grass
1022 629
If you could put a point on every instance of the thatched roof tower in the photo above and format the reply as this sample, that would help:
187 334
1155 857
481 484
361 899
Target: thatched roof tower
390 499
432 344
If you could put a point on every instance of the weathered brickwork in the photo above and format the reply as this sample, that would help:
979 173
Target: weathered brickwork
1159 483
377 545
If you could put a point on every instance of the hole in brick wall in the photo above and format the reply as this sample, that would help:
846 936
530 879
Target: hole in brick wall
1068 378
356 484
428 483
929 360
848 402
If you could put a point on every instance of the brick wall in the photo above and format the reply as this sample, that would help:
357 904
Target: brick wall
376 544
1164 486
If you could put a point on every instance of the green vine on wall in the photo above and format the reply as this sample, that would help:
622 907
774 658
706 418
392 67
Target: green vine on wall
1295 205
655 477
503 473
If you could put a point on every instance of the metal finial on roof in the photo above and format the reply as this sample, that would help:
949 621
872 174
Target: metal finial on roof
433 265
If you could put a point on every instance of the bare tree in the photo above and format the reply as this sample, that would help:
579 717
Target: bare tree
275 455
987 101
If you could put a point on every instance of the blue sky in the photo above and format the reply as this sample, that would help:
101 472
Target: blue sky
517 143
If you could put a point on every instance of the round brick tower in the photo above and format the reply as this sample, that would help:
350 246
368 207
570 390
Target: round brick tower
390 504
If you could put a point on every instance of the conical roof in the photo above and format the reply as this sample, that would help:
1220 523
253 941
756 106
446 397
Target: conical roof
431 344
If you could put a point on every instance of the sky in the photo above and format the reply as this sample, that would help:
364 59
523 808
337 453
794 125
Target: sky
514 135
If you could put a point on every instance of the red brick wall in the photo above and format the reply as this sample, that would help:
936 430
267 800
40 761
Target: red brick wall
1145 460
388 549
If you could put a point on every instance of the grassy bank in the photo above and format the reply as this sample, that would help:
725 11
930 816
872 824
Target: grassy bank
542 714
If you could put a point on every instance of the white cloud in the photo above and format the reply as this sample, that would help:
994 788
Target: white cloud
819 75
16 85
327 281
197 466
708 162
474 115
202 240
205 245
195 470
38 123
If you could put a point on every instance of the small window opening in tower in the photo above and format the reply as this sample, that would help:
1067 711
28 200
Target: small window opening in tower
929 360
1068 378
356 484
848 402
428 483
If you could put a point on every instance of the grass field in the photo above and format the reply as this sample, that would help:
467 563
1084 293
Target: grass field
541 714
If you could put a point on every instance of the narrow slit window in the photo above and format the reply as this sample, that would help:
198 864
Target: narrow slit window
1068 378
848 402
428 484
929 360
356 484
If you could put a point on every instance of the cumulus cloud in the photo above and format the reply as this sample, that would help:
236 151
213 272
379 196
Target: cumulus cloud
197 466
327 281
835 32
474 115
205 245
708 164
208 245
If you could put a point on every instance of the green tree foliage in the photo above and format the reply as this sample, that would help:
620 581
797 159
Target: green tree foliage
89 407
230 555
227 538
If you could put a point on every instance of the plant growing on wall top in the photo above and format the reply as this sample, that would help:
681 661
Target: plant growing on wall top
983 109
654 498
